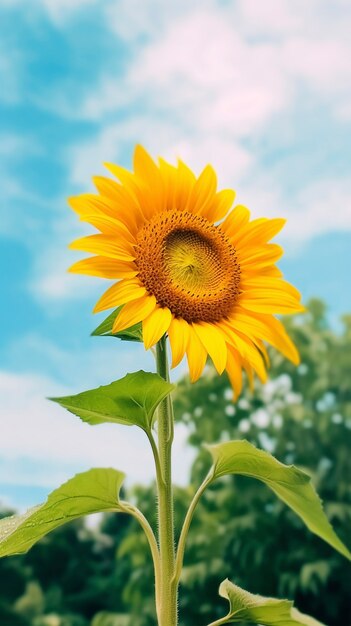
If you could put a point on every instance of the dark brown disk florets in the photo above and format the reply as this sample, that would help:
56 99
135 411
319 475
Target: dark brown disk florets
189 265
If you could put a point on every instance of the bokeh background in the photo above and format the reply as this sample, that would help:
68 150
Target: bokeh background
262 90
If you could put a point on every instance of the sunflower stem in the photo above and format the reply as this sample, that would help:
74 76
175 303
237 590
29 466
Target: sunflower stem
166 593
186 526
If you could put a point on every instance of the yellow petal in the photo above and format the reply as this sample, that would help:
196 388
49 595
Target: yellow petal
120 293
268 328
119 207
271 270
282 340
127 208
220 206
267 284
213 341
110 189
236 220
104 267
89 203
237 235
169 175
246 349
125 177
109 226
274 302
178 334
260 256
134 312
256 361
105 246
250 375
155 326
196 355
184 185
144 166
202 195
234 371
262 348
152 195
260 231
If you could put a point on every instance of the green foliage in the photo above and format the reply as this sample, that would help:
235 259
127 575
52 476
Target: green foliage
90 492
132 400
303 417
32 603
247 607
134 333
290 484
111 619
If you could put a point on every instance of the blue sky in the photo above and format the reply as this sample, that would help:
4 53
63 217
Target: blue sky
260 90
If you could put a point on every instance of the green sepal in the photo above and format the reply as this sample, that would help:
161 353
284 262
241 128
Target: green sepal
131 401
93 491
289 483
247 607
134 333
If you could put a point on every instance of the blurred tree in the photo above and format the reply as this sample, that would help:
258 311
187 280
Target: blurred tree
240 529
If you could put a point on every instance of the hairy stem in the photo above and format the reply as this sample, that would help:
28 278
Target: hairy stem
167 592
186 526
135 512
219 622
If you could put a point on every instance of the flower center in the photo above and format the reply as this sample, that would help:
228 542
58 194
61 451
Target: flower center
189 265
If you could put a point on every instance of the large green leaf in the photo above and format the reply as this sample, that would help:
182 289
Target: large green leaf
90 492
134 333
132 400
289 483
247 607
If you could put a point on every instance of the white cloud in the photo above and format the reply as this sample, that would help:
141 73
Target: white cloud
320 207
160 138
206 79
226 64
272 17
235 88
50 279
95 362
325 64
202 75
38 434
133 20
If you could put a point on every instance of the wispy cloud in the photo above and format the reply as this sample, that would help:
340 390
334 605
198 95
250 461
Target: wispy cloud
210 82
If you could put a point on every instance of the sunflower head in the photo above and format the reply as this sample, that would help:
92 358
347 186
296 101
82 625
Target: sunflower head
185 263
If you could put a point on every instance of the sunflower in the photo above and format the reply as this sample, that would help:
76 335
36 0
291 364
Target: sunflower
187 265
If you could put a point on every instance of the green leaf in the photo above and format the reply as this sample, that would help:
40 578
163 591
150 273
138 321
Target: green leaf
90 492
134 333
289 483
132 401
247 607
